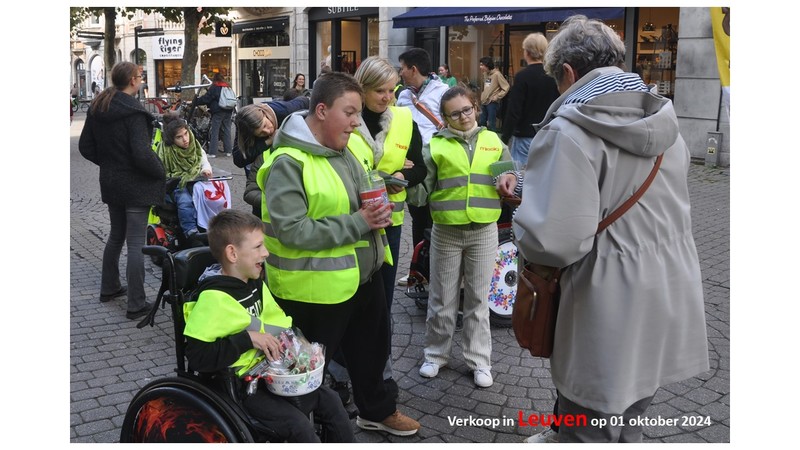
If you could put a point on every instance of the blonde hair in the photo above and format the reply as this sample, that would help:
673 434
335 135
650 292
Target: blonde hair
374 72
535 44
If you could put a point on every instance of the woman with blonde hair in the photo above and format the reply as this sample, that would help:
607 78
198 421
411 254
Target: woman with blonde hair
389 140
533 92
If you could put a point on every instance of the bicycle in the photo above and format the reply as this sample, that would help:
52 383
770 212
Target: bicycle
80 104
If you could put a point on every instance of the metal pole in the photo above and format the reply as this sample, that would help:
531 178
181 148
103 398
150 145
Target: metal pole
136 54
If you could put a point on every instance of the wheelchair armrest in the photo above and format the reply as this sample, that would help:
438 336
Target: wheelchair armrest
155 250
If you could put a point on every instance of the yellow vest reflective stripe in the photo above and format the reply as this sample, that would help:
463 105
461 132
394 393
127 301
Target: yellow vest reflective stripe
395 149
465 193
313 276
220 315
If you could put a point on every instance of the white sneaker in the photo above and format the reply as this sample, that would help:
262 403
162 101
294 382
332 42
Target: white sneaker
403 281
548 436
429 369
483 378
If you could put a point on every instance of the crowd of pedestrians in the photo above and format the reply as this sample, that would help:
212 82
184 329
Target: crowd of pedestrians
583 133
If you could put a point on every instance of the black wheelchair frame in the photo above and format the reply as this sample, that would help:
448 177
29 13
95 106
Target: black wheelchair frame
191 406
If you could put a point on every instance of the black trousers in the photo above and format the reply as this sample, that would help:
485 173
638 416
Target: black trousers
359 327
293 425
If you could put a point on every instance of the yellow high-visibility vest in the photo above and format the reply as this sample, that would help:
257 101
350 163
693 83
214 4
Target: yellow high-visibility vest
465 193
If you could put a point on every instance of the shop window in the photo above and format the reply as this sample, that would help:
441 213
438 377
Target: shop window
216 60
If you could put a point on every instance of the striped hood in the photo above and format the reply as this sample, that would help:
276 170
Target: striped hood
618 107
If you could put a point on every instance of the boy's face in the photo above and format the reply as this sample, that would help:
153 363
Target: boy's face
249 256
182 138
340 120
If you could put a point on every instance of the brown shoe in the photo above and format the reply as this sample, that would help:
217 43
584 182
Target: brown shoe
397 424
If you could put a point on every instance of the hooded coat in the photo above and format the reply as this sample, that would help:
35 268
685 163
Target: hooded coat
287 203
631 316
118 140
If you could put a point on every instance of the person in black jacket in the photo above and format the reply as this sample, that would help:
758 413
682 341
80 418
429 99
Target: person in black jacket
116 137
531 95
220 117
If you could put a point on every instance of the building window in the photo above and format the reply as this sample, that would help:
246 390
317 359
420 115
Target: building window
216 60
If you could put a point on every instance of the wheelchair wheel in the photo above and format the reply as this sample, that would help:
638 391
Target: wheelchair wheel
181 410
503 286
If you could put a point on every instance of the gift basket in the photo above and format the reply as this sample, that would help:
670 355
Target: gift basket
299 369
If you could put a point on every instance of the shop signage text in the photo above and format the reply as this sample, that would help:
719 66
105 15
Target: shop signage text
167 47
489 18
341 10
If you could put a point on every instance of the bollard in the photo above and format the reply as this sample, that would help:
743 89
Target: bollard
713 148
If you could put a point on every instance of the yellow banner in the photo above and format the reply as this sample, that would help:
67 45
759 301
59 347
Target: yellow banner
721 26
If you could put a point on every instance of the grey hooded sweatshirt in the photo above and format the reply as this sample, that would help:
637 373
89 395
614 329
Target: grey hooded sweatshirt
631 317
288 206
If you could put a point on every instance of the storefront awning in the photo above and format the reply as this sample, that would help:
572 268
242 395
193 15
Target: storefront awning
439 17
254 26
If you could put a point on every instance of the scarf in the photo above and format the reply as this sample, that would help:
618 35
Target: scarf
182 163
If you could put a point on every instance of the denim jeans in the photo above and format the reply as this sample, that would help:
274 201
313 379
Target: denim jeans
187 214
220 121
519 149
128 225
488 116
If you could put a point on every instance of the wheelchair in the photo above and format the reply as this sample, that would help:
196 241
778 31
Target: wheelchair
164 228
190 406
502 290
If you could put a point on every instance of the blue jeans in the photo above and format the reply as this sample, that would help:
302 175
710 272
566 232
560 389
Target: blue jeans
488 116
519 149
187 214
220 120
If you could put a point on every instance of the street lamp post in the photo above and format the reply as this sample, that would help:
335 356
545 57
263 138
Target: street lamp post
139 31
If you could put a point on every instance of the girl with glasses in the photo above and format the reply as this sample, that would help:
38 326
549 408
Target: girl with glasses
465 207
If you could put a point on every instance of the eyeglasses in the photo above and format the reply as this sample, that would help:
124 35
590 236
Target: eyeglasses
466 112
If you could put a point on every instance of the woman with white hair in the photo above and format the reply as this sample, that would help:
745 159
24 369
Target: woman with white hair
631 316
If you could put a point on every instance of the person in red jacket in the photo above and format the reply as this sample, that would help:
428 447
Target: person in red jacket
220 117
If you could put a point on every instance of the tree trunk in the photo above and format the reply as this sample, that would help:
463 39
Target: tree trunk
191 21
109 49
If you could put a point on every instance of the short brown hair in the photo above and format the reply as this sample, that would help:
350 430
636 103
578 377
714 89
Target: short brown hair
332 86
229 227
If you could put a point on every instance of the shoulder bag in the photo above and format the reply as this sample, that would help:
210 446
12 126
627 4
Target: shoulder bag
536 306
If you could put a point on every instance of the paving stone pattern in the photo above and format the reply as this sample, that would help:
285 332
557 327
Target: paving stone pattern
110 359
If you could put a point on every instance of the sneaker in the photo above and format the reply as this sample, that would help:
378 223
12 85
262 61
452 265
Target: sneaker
430 369
460 321
133 315
396 424
211 156
548 436
483 378
403 281
123 290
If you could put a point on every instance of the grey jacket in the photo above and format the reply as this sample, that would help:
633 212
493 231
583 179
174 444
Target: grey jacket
288 205
631 317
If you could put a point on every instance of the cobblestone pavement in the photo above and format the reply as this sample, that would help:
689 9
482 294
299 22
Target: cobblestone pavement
110 359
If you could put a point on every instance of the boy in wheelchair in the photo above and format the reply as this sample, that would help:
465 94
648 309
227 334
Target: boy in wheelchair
184 161
232 322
